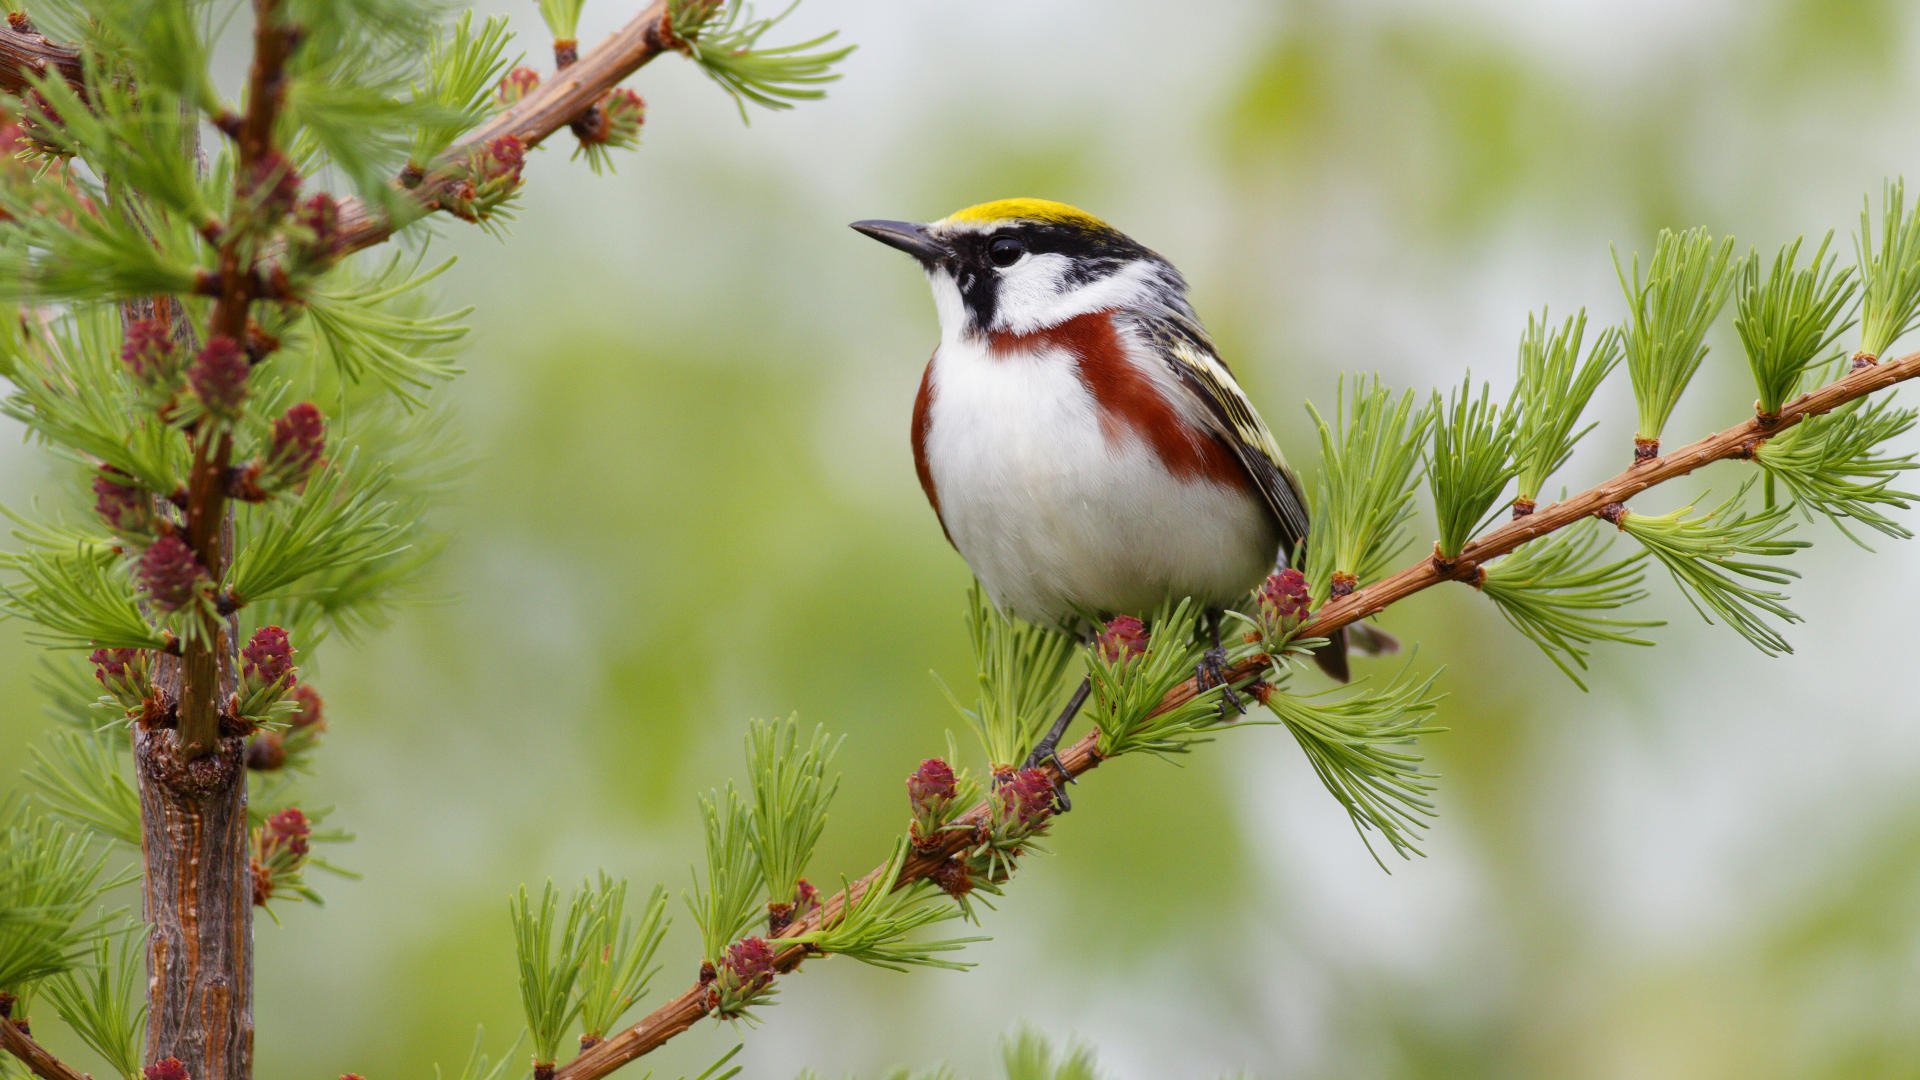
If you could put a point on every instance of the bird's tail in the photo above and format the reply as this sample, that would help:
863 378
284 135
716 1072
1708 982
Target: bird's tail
1362 637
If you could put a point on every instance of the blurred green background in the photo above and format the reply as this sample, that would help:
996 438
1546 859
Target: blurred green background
692 502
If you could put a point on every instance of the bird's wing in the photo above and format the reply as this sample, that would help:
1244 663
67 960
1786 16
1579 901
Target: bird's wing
1199 369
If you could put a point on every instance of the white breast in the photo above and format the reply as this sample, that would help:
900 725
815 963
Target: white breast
1059 520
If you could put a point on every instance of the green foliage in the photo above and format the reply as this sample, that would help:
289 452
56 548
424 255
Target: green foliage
1028 1056
71 242
874 928
77 595
1551 394
81 778
724 37
1714 559
619 954
1359 740
1789 321
1889 274
50 877
1469 461
729 904
791 792
562 18
1126 690
339 521
1363 495
106 1004
1686 284
1832 465
460 77
478 1065
117 130
71 391
374 328
1558 592
1018 668
551 957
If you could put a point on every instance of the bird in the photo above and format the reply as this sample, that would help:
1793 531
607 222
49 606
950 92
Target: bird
1082 443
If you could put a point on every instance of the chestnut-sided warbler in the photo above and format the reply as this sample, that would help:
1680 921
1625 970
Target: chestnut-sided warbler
1083 445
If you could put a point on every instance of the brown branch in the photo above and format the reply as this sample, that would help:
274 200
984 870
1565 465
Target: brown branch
25 53
33 1055
551 106
681 1012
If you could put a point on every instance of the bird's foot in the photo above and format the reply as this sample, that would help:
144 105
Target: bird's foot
1212 672
1047 752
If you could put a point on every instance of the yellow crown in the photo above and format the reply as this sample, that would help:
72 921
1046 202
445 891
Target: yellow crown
1001 211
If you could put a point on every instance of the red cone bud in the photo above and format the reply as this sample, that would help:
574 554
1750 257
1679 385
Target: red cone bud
266 752
149 350
319 217
288 829
517 84
1028 797
125 508
308 713
932 783
299 438
504 159
166 1069
219 376
750 961
268 658
113 663
1284 599
170 573
625 112
1123 638
275 186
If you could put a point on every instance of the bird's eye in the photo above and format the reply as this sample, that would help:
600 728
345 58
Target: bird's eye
1005 251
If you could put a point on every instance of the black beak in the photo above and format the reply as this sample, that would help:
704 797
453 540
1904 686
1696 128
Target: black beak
913 239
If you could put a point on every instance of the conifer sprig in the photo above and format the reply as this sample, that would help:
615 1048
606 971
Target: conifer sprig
618 957
1687 282
724 37
791 792
80 779
479 1065
1018 668
1363 494
50 879
1890 272
1833 466
874 928
77 597
341 520
457 92
374 327
1559 593
1469 460
103 1003
1716 559
1551 395
1128 687
552 954
1360 742
729 903
1789 321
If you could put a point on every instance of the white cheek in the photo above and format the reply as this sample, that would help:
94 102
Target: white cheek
948 305
1031 297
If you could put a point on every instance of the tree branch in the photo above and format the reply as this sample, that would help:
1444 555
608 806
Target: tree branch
26 52
1738 441
33 1055
551 106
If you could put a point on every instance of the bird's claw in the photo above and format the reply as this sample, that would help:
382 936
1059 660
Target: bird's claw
1048 753
1212 672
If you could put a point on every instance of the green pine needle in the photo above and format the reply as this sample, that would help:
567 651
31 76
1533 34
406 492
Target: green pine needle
791 792
1018 668
1831 466
562 18
1029 1056
77 597
1889 274
724 37
1715 559
1789 321
1469 460
340 520
551 957
478 1065
461 72
1551 393
376 328
1363 495
874 928
82 778
618 964
1360 742
729 904
50 877
1686 284
106 1004
1560 595
1125 691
